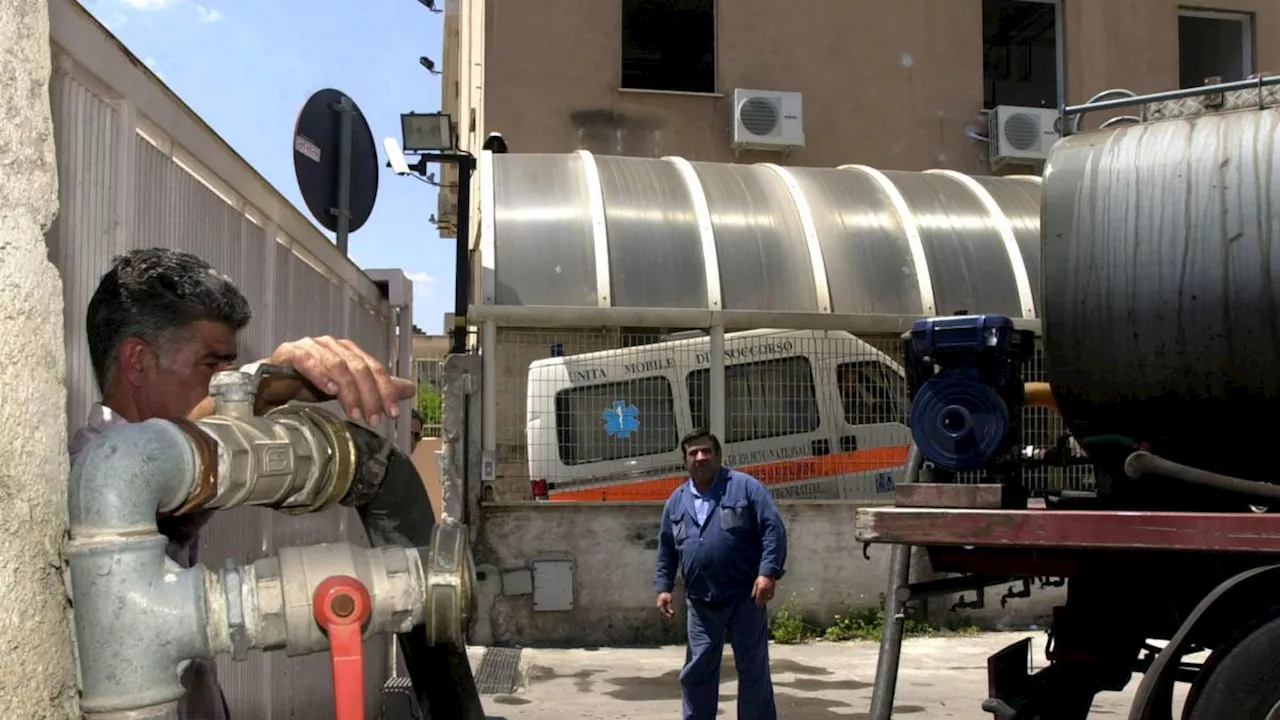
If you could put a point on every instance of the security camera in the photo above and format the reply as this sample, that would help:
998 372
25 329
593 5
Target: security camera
431 5
395 158
429 64
495 143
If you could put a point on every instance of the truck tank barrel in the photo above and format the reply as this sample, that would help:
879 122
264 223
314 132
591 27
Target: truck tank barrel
1161 282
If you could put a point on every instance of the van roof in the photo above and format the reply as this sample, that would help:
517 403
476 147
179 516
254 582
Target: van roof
673 345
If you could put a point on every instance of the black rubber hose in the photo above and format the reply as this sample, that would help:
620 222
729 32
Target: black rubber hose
1143 463
396 510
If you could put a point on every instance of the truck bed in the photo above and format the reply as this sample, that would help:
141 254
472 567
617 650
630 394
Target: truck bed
1035 529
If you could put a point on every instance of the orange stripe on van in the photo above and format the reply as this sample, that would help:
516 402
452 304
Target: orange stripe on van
777 473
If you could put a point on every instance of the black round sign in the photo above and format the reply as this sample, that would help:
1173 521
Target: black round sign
315 160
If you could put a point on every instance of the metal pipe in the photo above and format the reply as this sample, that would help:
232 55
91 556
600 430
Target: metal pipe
268 605
1174 95
137 614
717 389
533 316
886 682
403 343
489 389
462 263
345 110
1060 51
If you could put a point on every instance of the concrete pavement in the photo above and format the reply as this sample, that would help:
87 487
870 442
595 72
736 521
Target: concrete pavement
941 677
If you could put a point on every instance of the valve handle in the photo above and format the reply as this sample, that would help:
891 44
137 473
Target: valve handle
341 606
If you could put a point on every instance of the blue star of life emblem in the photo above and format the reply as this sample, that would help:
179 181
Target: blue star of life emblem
621 420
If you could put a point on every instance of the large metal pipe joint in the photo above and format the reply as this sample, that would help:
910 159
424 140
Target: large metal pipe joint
268 605
138 616
450 573
295 458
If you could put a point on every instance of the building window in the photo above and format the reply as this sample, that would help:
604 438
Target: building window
1214 44
871 393
614 421
1020 59
669 45
763 400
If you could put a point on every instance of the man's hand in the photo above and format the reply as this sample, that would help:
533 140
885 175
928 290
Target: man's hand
666 605
337 369
762 591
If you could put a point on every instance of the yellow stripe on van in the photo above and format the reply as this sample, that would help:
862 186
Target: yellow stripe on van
774 474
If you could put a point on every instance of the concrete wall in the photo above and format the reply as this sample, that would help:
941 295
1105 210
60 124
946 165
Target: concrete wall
613 548
37 677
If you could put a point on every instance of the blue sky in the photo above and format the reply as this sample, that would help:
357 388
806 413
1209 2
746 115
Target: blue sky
247 66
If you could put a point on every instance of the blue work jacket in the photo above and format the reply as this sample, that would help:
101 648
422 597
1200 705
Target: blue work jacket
741 538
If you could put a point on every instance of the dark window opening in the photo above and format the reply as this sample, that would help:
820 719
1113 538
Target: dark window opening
1214 44
614 421
871 393
1020 65
762 400
669 45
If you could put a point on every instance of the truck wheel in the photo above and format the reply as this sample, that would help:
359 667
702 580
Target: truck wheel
1245 683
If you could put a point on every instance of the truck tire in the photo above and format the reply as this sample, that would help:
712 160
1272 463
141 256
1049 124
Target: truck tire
1245 683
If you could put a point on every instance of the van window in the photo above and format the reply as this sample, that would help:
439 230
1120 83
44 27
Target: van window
763 399
871 393
615 421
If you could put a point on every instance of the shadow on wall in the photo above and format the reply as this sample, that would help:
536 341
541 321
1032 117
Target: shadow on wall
610 131
612 549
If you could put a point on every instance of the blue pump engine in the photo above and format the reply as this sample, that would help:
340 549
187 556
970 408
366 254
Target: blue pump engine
964 374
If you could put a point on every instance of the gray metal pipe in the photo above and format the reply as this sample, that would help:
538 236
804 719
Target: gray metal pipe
885 687
138 616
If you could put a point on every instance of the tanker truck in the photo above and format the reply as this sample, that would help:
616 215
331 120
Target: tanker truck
1160 247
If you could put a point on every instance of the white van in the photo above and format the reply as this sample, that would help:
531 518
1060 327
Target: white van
812 414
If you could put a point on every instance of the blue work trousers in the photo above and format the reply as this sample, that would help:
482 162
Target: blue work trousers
748 627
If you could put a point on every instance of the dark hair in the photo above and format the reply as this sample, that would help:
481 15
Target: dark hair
416 414
699 434
154 294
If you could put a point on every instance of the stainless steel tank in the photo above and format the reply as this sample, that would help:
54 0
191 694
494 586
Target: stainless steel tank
1161 280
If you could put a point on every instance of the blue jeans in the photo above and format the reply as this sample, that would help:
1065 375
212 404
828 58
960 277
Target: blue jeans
748 626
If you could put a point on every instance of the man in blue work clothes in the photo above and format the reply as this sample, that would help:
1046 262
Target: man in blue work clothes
724 532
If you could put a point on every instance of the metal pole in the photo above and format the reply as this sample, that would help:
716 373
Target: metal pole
489 390
886 683
462 264
716 391
1060 50
345 109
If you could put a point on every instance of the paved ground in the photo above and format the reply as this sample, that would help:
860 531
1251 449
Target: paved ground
940 678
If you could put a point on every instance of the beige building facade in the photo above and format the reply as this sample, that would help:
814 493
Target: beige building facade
891 84
895 85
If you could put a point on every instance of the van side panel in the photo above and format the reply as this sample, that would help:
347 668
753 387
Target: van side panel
784 419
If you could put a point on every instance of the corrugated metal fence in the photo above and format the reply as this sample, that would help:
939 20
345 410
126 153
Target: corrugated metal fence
134 171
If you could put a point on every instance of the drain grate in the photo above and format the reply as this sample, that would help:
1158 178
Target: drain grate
499 668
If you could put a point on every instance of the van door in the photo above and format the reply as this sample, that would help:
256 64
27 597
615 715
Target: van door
870 413
774 427
615 439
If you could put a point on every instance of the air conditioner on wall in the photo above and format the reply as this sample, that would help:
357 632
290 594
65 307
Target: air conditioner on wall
767 120
1021 135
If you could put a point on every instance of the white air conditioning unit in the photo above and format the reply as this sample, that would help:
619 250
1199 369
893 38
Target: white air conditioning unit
1021 135
767 120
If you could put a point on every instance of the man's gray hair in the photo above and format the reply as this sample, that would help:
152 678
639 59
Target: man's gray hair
154 295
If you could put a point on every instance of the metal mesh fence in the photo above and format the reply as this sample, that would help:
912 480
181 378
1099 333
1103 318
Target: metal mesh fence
599 414
428 372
